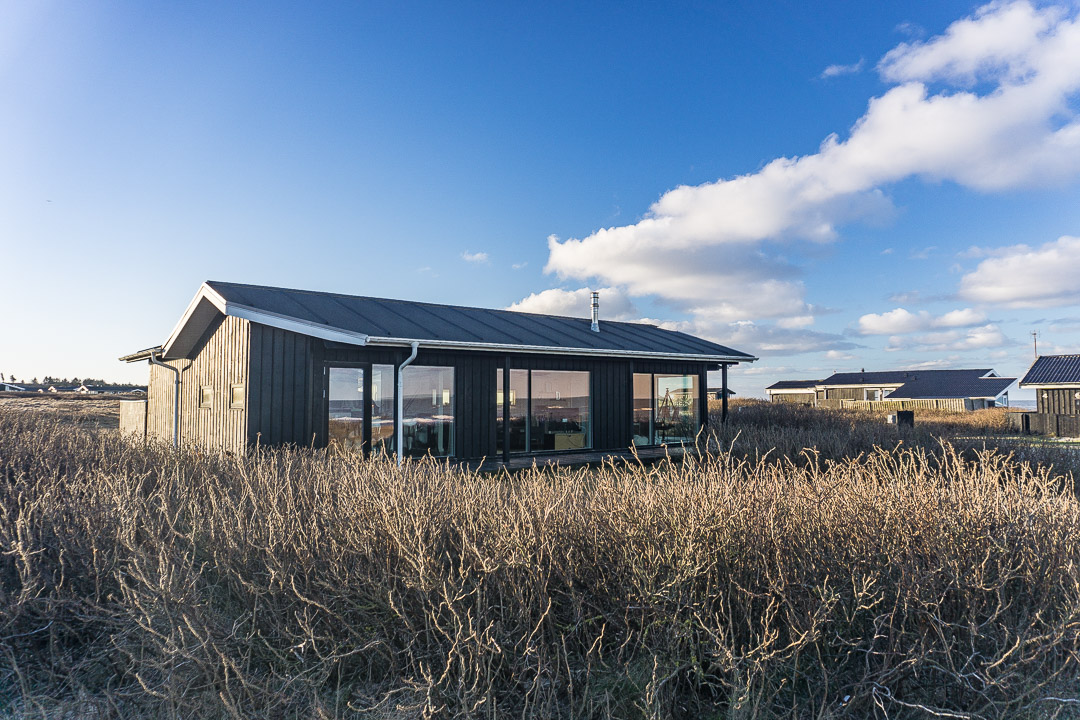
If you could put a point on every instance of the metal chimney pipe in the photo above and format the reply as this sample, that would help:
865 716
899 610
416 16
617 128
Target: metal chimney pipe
595 311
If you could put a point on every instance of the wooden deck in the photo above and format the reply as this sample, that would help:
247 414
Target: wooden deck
578 459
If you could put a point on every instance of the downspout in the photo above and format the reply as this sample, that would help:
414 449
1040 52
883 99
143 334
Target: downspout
176 401
398 434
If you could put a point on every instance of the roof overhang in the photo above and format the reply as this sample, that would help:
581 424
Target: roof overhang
791 391
208 305
1051 385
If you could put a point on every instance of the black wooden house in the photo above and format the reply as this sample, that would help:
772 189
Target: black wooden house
249 364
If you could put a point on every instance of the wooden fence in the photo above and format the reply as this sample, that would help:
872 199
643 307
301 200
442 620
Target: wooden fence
946 404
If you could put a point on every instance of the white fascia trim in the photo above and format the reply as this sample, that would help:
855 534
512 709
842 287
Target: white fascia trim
1059 386
791 391
547 350
281 322
304 327
862 385
205 291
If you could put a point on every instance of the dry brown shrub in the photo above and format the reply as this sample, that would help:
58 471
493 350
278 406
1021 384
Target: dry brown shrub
140 582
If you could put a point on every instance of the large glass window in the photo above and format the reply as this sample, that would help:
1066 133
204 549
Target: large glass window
428 411
549 410
677 408
643 405
667 409
519 388
347 407
519 410
560 410
382 408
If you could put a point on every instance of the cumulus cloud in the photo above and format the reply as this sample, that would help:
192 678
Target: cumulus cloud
614 304
978 338
834 70
989 104
477 257
839 355
1024 277
901 321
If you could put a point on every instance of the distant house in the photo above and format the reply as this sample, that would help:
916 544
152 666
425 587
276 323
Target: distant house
959 390
62 388
9 387
800 392
88 390
1056 380
716 393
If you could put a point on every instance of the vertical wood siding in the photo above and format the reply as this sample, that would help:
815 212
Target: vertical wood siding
1059 401
283 387
220 362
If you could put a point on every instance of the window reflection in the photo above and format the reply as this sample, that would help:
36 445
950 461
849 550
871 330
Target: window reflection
347 407
428 411
643 404
560 410
382 408
519 410
677 408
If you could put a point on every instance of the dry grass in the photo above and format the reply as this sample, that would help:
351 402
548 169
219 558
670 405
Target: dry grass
917 582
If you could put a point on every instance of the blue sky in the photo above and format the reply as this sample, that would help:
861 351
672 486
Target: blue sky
830 185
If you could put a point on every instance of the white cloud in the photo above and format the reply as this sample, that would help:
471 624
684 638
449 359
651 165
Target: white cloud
834 70
1022 277
905 297
765 340
978 338
839 355
795 322
708 250
901 321
614 304
518 266
477 257
894 321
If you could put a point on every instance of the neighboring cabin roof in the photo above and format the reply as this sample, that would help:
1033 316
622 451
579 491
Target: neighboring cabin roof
360 320
925 384
1053 370
951 386
794 385
898 377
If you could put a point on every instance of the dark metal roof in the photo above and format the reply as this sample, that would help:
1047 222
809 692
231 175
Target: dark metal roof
407 320
794 385
955 386
898 377
1053 369
916 384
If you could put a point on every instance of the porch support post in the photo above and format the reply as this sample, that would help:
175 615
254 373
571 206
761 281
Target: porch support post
723 392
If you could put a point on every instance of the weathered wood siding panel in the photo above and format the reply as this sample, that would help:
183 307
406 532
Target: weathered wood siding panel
806 398
945 404
219 362
133 419
1059 401
282 386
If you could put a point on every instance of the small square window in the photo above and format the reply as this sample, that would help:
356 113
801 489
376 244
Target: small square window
236 397
206 396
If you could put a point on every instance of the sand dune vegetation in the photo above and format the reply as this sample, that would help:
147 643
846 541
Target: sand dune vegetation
883 573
